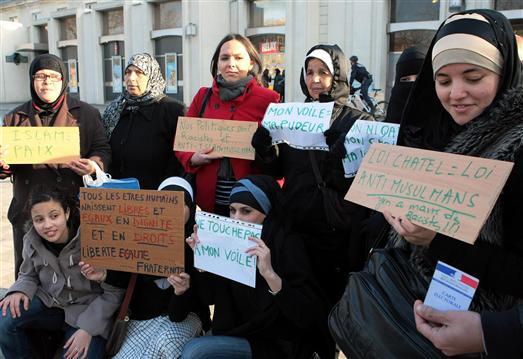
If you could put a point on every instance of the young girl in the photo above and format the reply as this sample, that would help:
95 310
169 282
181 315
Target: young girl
51 292
268 321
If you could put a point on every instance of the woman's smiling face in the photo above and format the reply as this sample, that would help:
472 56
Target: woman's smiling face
466 90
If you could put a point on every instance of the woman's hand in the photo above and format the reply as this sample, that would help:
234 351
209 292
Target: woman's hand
78 345
12 301
413 233
192 240
263 253
4 167
82 166
264 264
452 332
180 282
202 157
92 273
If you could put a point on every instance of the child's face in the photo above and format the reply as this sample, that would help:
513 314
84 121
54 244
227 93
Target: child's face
50 221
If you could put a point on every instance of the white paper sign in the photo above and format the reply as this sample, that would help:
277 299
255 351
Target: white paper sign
450 288
222 245
300 125
359 138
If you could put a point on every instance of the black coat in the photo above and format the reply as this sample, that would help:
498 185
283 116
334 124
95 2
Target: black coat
142 143
93 145
503 333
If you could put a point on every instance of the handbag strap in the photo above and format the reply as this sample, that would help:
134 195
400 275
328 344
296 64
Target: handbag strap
316 169
127 298
208 94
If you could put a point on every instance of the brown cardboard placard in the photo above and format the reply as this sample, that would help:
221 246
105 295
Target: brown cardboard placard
450 194
35 145
227 137
140 231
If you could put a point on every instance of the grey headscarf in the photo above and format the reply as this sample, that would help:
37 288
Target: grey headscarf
153 92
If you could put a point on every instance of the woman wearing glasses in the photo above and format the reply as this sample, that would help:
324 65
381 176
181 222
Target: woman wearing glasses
51 106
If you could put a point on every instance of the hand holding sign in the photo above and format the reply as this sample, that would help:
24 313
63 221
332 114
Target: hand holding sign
180 282
204 157
412 233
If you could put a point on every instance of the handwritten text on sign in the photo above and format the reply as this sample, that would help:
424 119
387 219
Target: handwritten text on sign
140 231
226 137
450 194
361 136
222 246
300 125
31 145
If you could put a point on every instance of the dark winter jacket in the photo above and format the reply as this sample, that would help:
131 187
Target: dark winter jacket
359 73
250 106
142 143
503 333
93 145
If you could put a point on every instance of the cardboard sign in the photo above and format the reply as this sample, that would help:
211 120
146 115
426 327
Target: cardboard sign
222 245
300 125
140 231
450 194
32 145
361 136
227 138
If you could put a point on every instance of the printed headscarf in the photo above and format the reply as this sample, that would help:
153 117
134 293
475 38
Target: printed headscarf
47 62
153 93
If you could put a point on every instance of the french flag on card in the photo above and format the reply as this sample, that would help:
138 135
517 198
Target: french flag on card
450 288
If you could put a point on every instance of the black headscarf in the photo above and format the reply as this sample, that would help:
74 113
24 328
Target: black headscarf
47 62
425 122
409 63
339 92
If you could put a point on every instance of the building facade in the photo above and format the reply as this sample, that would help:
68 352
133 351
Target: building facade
95 38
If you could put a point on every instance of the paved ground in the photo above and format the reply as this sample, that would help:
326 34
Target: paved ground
6 238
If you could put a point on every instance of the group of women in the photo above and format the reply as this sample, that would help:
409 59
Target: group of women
465 100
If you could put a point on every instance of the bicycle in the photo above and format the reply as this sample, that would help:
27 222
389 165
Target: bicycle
379 108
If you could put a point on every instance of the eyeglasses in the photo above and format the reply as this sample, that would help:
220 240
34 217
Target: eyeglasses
51 77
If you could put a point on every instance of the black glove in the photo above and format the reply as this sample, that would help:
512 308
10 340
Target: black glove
262 141
331 136
338 147
336 141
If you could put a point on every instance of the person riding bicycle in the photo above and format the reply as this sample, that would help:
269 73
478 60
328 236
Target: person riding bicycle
360 74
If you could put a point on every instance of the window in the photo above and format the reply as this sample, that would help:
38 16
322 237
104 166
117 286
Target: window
113 22
414 10
114 63
400 40
70 56
508 5
68 28
42 34
456 5
168 15
267 13
168 52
